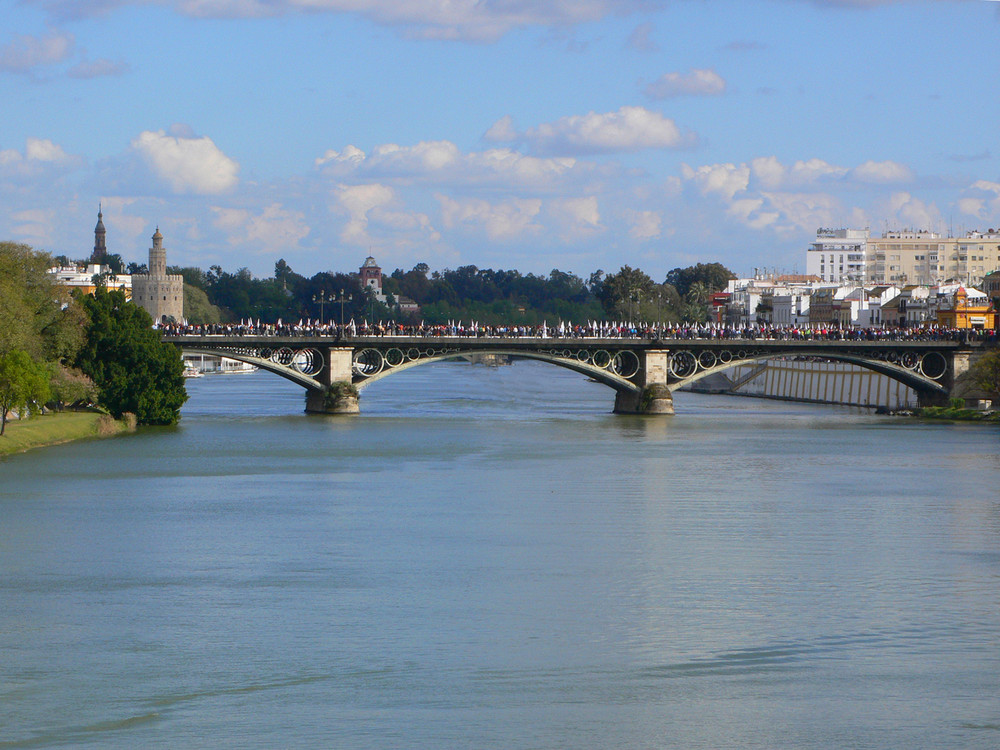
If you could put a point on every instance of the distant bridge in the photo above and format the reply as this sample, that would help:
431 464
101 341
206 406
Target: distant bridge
644 373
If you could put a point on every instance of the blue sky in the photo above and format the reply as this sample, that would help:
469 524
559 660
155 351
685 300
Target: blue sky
500 133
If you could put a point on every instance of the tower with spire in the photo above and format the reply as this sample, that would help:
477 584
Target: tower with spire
100 253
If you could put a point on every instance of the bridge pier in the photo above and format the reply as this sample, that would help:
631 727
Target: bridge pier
337 394
655 396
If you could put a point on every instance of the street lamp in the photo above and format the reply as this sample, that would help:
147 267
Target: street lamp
322 298
342 299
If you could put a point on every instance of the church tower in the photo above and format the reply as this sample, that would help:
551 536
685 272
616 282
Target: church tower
100 240
371 275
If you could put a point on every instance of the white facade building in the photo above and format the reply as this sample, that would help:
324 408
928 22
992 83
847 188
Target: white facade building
838 255
902 257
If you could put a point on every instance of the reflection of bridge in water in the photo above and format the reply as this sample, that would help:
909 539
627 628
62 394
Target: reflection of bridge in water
644 373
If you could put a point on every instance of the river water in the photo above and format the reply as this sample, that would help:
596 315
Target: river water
487 558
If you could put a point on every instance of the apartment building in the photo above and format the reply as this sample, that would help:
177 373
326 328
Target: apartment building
903 257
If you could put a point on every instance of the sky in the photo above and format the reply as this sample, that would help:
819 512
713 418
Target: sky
577 135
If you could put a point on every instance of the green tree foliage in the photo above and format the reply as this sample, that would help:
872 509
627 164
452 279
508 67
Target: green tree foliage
133 370
465 293
623 294
197 309
714 277
24 385
70 386
192 276
985 374
36 314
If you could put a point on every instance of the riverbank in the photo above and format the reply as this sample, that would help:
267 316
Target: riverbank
60 427
958 414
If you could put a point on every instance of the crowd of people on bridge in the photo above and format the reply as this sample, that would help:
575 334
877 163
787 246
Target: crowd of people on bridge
591 329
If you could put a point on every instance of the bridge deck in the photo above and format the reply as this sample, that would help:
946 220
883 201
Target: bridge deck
472 343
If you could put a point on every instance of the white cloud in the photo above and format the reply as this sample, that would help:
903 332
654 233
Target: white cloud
912 212
973 207
801 212
442 163
696 82
628 129
769 172
426 156
41 156
882 172
25 53
814 170
358 201
725 180
466 20
502 131
502 221
275 229
41 149
187 164
986 203
576 217
643 225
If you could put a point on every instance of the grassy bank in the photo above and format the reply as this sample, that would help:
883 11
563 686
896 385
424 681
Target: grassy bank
59 427
958 414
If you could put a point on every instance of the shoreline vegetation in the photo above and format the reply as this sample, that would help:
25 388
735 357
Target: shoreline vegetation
958 414
57 427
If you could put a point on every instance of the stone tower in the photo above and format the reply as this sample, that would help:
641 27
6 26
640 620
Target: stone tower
371 275
100 241
157 292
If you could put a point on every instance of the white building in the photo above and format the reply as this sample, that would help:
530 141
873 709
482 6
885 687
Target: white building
902 257
82 278
838 255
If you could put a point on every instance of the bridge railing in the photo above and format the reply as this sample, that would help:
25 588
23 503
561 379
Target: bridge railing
595 332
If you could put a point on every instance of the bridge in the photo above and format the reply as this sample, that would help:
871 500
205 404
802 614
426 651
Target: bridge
643 372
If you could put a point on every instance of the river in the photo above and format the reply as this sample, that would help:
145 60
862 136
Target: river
487 558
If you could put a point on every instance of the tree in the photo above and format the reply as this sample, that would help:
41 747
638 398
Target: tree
197 309
24 385
715 276
134 371
985 374
36 314
69 386
624 293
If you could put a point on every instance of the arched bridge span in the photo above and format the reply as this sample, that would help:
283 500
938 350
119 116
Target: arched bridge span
643 372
